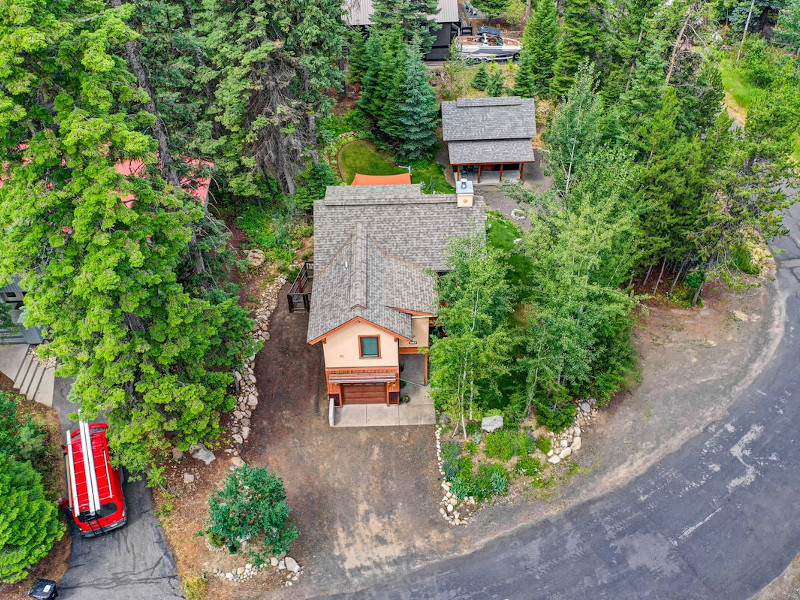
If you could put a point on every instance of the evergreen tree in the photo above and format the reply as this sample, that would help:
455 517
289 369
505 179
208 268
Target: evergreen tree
481 78
29 524
787 30
524 84
418 111
414 17
491 8
369 101
580 38
391 78
271 66
104 249
358 59
539 42
496 85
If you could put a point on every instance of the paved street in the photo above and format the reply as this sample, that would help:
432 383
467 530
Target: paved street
130 563
717 519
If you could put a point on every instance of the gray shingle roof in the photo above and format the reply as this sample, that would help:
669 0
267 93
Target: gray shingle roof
403 221
358 12
361 280
373 245
491 151
488 119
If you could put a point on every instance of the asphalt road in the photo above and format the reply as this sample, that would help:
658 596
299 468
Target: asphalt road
717 519
130 563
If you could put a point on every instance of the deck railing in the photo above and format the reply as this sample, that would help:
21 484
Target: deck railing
299 295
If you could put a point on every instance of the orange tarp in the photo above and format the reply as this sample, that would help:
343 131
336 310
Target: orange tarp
381 179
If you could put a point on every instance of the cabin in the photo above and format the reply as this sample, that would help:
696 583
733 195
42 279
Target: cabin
378 250
447 23
489 139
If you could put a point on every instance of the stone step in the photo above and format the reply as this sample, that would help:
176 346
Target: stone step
33 386
22 373
30 377
11 358
44 395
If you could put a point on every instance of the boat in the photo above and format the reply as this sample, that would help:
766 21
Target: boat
487 47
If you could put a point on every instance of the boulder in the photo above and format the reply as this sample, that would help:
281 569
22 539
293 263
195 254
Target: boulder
585 407
554 460
200 452
255 258
576 443
245 432
237 462
281 565
291 564
237 438
273 561
177 454
492 423
565 453
188 478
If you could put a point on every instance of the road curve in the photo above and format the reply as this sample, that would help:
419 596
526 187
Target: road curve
717 519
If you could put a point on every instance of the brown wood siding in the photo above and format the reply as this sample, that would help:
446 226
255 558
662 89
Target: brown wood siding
363 393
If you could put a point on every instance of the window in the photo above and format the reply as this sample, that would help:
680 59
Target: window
370 346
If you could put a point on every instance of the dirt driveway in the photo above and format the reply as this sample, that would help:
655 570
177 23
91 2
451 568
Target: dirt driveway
365 501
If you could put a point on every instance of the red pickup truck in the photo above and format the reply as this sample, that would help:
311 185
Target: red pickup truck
95 487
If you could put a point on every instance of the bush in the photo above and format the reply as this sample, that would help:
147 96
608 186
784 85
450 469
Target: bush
29 524
471 448
555 412
543 444
473 427
481 78
742 259
451 455
492 479
252 507
504 444
21 439
528 465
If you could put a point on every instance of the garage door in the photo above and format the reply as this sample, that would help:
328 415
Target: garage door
364 393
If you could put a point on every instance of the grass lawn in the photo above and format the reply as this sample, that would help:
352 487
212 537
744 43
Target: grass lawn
501 233
740 90
363 157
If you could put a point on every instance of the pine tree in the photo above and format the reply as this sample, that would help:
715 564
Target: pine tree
491 8
271 66
524 84
155 347
357 58
369 102
418 112
638 104
29 524
390 82
580 38
539 41
412 16
496 84
481 78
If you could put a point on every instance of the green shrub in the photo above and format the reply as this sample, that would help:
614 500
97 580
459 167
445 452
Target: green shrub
504 444
543 444
215 540
481 78
252 506
499 483
195 588
742 259
22 439
556 412
29 524
471 448
492 479
473 427
528 465
451 455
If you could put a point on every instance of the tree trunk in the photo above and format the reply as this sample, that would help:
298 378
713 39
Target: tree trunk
646 277
746 27
660 274
677 45
527 11
159 127
677 277
700 287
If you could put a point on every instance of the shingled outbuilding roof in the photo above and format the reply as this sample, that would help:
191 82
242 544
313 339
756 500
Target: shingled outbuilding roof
471 119
375 248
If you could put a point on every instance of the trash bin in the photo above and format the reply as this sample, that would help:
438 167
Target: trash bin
44 589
